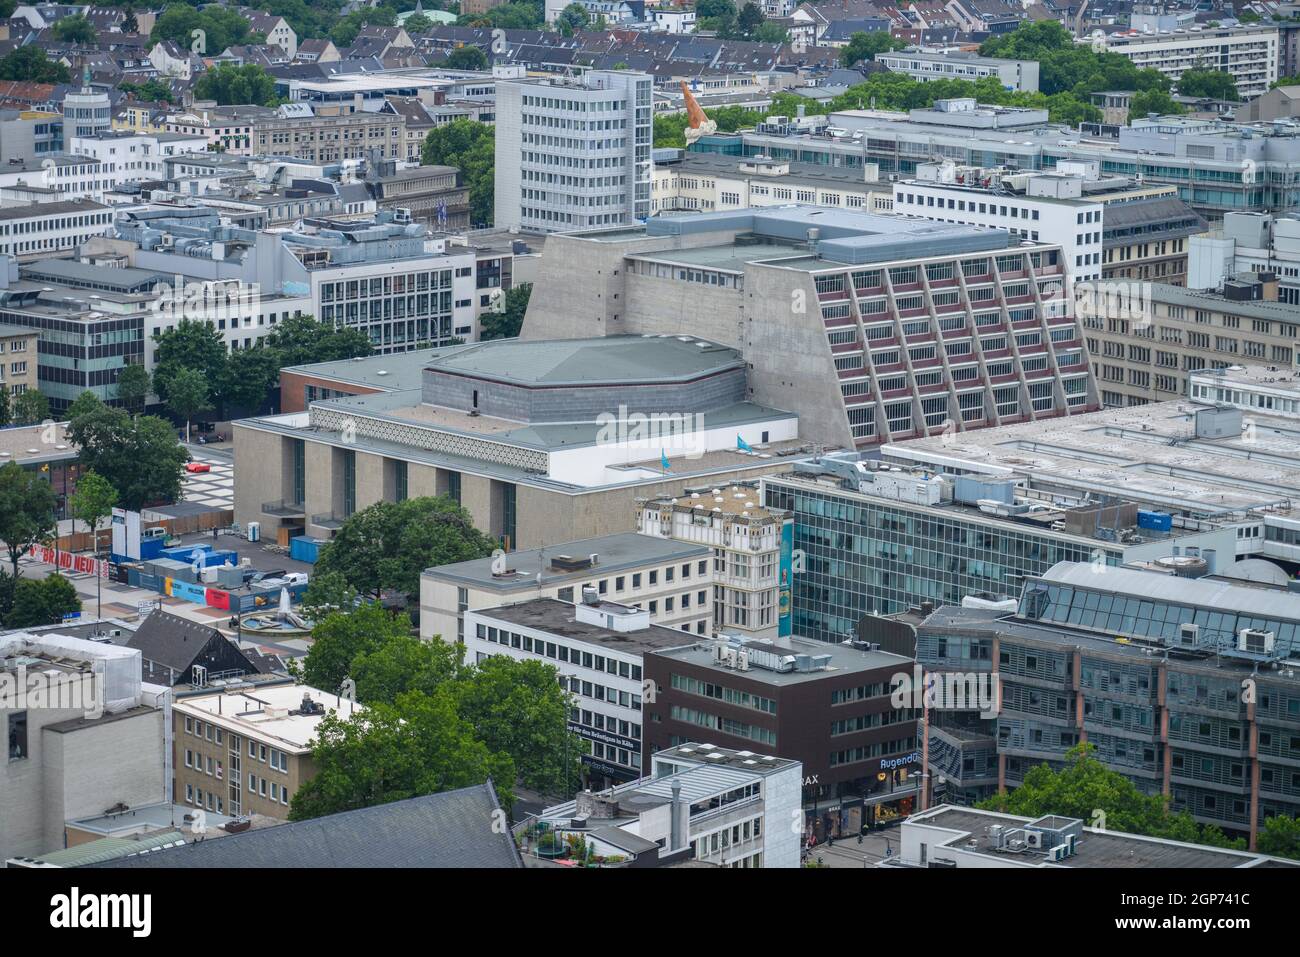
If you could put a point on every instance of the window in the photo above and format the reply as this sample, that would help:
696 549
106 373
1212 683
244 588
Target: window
17 735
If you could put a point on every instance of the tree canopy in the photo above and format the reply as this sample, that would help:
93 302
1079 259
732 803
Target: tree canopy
385 547
1085 788
139 456
507 323
27 506
1212 84
866 45
229 85
30 63
471 147
74 29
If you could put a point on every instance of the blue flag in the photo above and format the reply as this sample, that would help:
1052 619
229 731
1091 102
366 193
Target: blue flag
742 445
663 461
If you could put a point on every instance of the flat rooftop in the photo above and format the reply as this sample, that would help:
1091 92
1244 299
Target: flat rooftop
616 554
25 444
560 618
1147 454
264 712
397 372
1095 848
625 360
843 237
845 659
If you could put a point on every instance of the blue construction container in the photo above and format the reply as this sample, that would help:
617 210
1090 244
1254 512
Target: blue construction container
304 549
1156 521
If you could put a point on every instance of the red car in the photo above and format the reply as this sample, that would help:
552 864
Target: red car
197 467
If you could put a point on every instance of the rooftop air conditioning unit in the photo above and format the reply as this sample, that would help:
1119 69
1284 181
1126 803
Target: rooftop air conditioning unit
1034 838
1255 641
1188 633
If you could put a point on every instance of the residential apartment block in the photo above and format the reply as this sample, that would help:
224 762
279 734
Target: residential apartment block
18 359
1249 53
746 543
246 749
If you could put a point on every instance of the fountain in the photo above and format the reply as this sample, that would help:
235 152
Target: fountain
284 622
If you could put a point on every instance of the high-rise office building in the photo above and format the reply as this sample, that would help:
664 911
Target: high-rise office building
573 154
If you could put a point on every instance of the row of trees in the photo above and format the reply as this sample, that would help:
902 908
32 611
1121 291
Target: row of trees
1086 789
431 723
194 372
28 518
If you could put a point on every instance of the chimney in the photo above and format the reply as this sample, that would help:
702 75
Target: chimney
1268 286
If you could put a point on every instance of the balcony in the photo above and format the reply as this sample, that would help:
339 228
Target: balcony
284 509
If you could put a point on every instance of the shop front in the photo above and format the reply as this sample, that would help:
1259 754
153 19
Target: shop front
849 808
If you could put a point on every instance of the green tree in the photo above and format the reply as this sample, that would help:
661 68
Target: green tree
343 637
520 708
30 407
1154 101
1085 785
249 377
187 395
749 19
507 16
769 32
93 501
139 456
471 147
222 28
301 340
42 601
150 91
1211 84
507 323
466 58
1279 836
133 385
6 414
86 402
573 17
417 23
865 46
27 506
405 663
393 752
189 344
327 592
229 84
31 63
386 546
74 29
